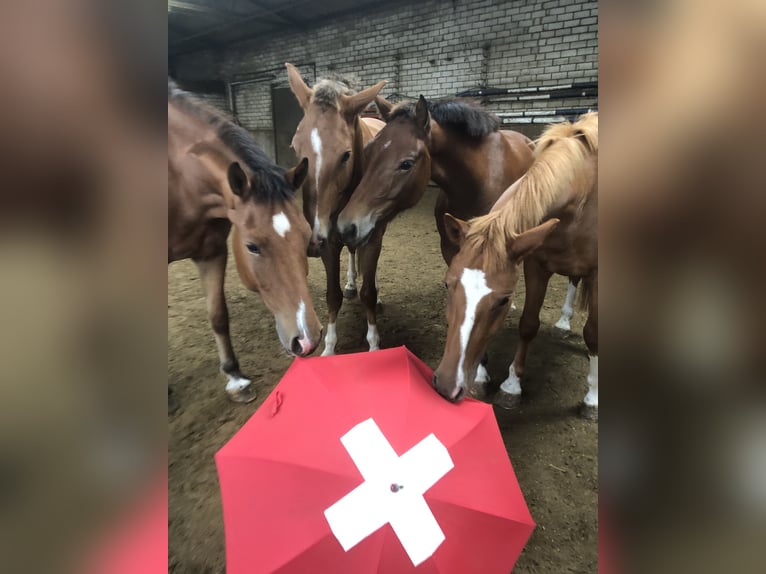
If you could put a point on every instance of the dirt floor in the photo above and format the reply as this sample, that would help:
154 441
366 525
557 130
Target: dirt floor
554 453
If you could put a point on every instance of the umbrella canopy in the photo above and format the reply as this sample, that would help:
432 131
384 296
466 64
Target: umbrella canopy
356 464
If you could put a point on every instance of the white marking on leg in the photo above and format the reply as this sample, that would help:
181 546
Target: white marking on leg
567 310
475 286
235 384
511 385
281 223
591 399
482 376
377 289
329 340
316 145
351 274
372 337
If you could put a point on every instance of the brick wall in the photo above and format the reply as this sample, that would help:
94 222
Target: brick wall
432 47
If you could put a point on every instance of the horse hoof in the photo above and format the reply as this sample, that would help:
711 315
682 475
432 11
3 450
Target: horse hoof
244 395
350 293
589 412
507 401
173 404
563 325
479 391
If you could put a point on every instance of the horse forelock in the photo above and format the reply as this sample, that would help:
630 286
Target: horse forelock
487 235
271 183
327 91
461 116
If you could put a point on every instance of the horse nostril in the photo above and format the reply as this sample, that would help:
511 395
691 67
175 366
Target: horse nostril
434 380
460 394
296 347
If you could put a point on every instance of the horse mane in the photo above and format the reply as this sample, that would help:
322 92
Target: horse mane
272 185
561 154
461 116
328 89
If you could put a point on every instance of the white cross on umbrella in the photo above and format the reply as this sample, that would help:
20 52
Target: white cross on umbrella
392 492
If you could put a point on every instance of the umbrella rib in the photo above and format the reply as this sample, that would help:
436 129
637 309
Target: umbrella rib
300 465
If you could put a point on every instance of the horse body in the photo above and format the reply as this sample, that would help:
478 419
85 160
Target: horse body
333 135
208 193
549 220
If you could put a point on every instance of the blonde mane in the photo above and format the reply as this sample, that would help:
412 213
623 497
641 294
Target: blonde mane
561 155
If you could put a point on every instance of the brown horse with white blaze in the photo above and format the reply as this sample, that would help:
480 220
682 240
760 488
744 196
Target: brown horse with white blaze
548 220
333 136
217 176
454 142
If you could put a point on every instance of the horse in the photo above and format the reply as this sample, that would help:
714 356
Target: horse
454 142
219 177
332 134
549 221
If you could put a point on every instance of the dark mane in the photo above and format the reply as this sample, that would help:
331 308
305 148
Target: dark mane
272 185
464 117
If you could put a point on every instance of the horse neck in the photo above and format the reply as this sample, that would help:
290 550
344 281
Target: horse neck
462 171
526 203
363 133
188 135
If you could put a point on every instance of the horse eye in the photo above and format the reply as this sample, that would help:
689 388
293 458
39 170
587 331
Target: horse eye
503 302
406 165
346 157
253 248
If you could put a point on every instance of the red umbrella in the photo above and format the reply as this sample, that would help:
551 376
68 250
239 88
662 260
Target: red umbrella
355 464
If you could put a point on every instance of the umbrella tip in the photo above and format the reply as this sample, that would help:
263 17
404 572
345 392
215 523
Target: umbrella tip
396 487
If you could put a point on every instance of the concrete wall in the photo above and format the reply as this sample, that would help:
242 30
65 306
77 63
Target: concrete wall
435 48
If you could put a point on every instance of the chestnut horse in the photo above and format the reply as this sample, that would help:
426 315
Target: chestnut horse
333 136
454 142
549 220
217 176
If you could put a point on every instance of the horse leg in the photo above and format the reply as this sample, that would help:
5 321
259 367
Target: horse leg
590 334
212 273
479 388
349 291
368 263
536 278
331 260
567 309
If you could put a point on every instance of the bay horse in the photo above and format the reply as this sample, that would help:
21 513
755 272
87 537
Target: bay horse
454 142
218 176
333 136
549 220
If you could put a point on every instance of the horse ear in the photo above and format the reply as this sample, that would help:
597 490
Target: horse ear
301 90
456 229
422 117
297 175
238 181
355 104
384 107
525 243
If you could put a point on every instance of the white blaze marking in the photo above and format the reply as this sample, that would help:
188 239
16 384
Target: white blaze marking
591 399
281 223
385 145
300 319
316 145
475 286
329 340
373 504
